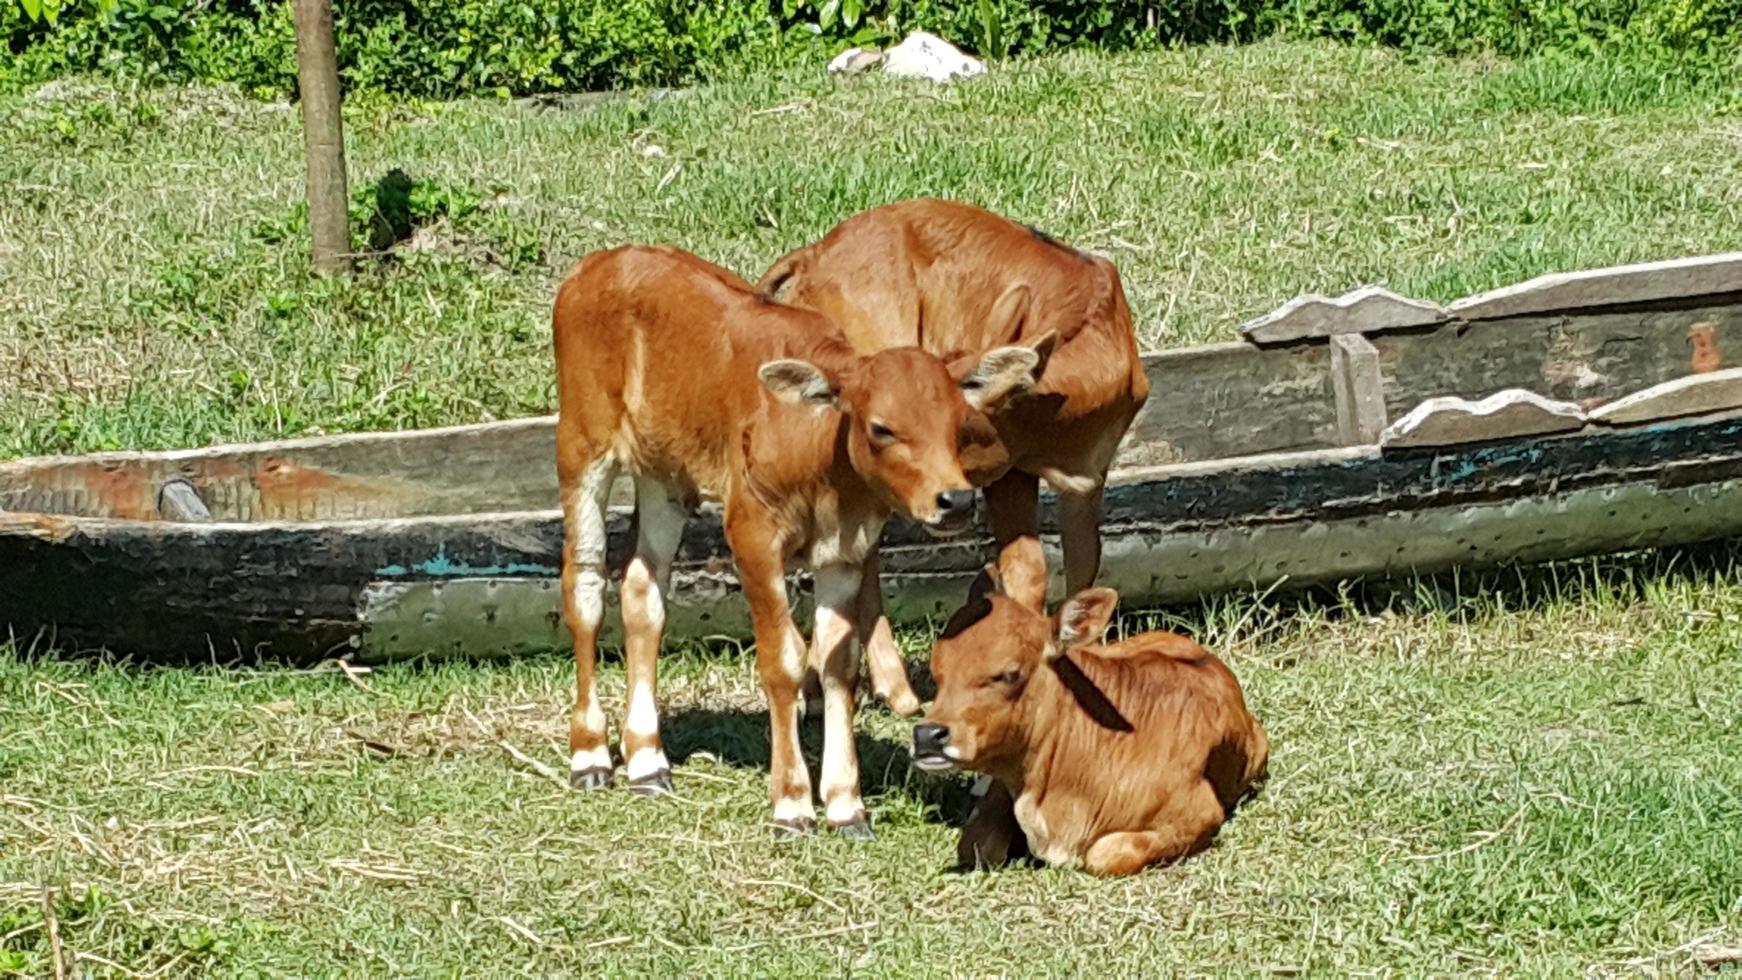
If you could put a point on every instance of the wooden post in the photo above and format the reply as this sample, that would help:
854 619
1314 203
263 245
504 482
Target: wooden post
1357 385
317 70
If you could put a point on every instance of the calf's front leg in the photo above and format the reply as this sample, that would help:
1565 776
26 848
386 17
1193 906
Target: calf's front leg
836 654
991 835
780 664
887 667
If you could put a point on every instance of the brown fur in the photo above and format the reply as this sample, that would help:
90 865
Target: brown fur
957 280
676 372
1113 757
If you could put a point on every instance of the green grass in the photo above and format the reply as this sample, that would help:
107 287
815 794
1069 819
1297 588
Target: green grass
1530 776
157 294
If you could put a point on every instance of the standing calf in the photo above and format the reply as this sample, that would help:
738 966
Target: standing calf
956 279
1116 756
678 373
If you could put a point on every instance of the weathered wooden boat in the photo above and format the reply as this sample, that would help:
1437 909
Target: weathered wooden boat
1362 435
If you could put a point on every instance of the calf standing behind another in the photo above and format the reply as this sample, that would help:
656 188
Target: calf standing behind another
1116 756
678 373
955 279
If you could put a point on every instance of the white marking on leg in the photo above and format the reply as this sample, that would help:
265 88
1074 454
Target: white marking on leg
835 641
595 715
643 717
792 654
789 811
587 538
646 761
595 758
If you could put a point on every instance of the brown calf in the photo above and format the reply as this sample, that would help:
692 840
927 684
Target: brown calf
678 373
955 279
1116 756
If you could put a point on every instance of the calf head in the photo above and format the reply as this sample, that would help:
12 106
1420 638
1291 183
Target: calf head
909 421
984 664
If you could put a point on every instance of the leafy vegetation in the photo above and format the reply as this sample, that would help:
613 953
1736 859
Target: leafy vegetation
451 47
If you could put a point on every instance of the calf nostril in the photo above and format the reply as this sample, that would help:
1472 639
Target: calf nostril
954 500
930 736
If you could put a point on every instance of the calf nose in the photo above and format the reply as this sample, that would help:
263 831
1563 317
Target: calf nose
951 501
929 739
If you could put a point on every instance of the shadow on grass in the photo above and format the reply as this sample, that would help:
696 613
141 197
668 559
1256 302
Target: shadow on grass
740 738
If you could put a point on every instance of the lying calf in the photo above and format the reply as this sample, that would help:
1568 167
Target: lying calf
1115 757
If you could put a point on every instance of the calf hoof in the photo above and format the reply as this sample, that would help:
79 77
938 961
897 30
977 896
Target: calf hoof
858 828
652 784
794 828
598 777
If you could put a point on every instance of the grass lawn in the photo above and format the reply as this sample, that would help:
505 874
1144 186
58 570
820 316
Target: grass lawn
1528 776
153 274
1522 774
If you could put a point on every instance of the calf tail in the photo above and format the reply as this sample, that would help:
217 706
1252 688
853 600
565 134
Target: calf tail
1257 761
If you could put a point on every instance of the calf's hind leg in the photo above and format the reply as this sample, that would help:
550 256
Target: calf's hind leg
1184 829
659 522
586 484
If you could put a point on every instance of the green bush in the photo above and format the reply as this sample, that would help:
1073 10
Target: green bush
445 48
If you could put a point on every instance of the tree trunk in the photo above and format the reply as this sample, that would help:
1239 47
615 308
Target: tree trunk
323 133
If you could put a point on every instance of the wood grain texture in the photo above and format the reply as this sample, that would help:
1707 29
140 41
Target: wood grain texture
1508 414
1365 309
1696 394
1621 285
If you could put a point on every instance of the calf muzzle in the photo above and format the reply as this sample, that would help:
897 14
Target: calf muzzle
930 743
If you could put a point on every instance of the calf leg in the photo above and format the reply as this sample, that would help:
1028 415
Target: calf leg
990 831
887 667
1013 510
1080 536
584 498
659 524
1186 828
835 642
780 664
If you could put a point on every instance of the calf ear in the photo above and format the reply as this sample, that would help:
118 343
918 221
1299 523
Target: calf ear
799 382
999 373
1084 618
986 584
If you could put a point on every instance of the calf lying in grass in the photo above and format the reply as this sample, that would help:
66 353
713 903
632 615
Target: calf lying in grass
1112 757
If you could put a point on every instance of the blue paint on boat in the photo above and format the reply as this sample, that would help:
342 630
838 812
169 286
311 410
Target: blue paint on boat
441 566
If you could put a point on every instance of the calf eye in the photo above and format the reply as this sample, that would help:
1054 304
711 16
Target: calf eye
1010 676
881 432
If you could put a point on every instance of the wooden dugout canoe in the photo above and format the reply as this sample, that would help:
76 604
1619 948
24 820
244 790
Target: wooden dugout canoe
1338 440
